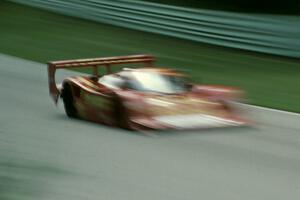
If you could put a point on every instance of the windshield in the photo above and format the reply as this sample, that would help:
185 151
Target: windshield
155 82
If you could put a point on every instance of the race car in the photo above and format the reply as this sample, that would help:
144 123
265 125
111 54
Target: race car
142 96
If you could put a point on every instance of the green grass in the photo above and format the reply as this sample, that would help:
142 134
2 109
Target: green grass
42 36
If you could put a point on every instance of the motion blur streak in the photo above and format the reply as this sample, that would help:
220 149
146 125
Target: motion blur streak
45 155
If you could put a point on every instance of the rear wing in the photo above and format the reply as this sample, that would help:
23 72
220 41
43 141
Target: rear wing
94 63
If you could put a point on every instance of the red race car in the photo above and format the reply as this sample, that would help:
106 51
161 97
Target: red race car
143 98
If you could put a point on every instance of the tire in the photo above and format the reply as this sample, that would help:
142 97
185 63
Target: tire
68 100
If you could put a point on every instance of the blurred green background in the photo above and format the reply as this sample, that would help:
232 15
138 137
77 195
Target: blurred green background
41 36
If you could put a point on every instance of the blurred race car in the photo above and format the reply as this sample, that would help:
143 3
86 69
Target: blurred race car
142 98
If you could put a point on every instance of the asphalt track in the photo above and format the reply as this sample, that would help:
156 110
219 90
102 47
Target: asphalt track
45 155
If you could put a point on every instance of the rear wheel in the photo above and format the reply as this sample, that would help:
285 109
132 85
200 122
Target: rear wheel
68 100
